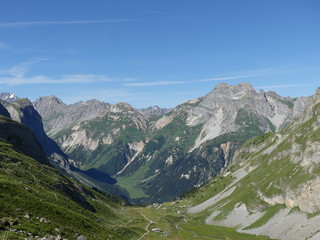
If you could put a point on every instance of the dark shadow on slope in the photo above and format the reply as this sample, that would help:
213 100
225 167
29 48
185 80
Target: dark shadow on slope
69 189
96 175
99 180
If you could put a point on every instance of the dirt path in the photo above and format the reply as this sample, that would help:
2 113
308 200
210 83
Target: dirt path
147 226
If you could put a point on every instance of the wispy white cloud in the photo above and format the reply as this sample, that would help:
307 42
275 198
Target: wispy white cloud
226 77
221 78
39 23
21 69
16 75
160 83
76 78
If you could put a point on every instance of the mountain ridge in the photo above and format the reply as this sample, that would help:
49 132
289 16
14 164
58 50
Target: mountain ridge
265 185
139 151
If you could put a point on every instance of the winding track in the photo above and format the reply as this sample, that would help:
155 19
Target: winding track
147 227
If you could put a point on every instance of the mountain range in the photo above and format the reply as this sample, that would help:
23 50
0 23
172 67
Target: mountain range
239 164
155 158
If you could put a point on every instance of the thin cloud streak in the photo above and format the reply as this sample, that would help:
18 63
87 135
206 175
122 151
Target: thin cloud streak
238 75
161 83
21 69
39 23
76 78
16 75
219 79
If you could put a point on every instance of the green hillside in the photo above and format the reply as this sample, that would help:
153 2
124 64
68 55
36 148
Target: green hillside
38 201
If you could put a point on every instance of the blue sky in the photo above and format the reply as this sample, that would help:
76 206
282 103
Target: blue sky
161 52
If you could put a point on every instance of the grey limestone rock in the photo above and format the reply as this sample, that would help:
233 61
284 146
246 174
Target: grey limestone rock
58 116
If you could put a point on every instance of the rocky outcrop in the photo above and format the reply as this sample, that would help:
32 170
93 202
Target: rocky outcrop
22 139
154 111
3 110
57 116
23 111
306 197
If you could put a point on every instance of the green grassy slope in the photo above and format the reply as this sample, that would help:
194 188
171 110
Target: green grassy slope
39 201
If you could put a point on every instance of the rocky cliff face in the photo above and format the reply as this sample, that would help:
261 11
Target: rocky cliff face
23 112
22 139
58 116
273 186
159 159
111 132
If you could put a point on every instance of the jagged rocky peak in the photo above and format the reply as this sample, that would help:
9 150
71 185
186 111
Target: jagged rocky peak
242 86
48 99
313 108
224 101
316 96
234 92
90 107
121 107
67 115
20 108
8 97
154 111
93 102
